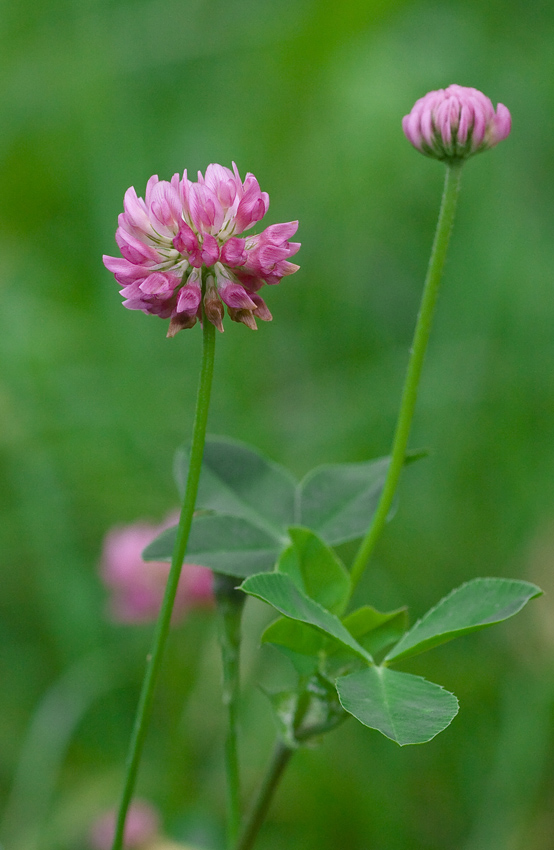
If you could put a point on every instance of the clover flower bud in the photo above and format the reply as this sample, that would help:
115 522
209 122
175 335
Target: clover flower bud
455 123
137 587
184 232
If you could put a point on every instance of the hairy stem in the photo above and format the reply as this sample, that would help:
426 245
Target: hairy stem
154 658
419 346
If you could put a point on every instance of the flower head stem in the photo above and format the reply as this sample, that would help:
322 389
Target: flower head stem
230 604
417 355
162 626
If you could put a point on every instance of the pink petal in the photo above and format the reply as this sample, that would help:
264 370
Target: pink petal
189 298
233 252
159 284
210 250
235 296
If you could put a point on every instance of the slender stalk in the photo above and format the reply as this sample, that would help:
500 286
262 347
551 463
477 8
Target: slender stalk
230 604
154 658
419 346
279 761
281 757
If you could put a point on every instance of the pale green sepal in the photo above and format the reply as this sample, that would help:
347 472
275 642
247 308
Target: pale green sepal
285 704
304 716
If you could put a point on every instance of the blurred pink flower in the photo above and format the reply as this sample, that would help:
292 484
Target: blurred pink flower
455 123
141 827
182 228
137 587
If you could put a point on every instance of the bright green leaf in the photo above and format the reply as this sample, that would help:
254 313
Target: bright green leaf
475 605
375 630
371 629
405 708
226 544
280 591
238 480
300 642
295 635
315 568
337 501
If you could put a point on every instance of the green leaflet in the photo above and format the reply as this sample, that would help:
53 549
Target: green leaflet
226 544
405 708
281 592
475 605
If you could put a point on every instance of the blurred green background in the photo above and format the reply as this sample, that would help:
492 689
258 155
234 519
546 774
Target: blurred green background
97 95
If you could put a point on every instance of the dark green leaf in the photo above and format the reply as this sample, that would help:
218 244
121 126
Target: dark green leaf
475 605
337 501
226 544
236 479
405 708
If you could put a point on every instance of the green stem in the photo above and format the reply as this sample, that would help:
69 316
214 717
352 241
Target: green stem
281 757
230 604
154 659
419 346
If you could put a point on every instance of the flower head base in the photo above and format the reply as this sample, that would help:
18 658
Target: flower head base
186 234
137 587
455 123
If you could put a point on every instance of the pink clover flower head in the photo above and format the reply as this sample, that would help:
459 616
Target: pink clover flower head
186 233
141 827
455 123
137 587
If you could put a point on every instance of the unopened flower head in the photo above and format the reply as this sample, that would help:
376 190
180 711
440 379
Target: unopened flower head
455 123
185 234
137 587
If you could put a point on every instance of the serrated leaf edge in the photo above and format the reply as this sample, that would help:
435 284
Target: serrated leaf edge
391 657
380 669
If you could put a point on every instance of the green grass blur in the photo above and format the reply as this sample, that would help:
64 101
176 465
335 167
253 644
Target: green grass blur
96 96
